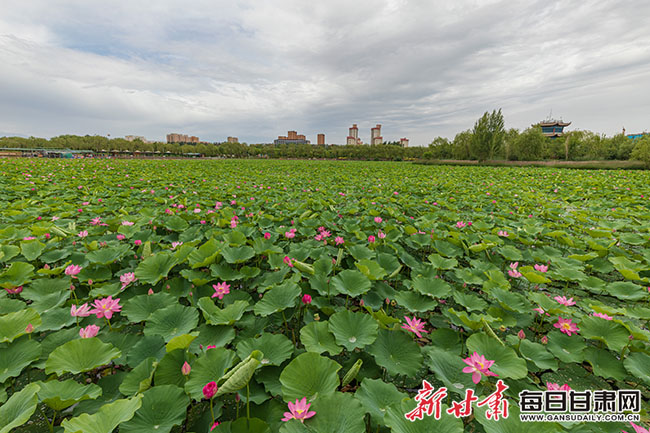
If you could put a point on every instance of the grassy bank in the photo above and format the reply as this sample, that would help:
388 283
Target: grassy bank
628 165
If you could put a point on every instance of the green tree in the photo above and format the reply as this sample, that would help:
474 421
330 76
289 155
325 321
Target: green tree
460 145
487 135
529 145
641 150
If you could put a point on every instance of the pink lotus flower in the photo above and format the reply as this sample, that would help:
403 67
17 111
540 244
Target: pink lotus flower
287 261
127 223
185 369
29 328
210 390
105 307
29 238
378 220
602 316
566 326
96 221
220 290
127 279
83 311
318 237
176 244
555 387
233 224
503 233
514 273
89 331
514 265
214 425
541 268
638 429
290 234
460 224
477 365
544 340
339 240
267 235
299 410
564 301
15 290
73 270
381 235
137 242
415 326
306 299
120 237
521 334
541 311
371 239
83 233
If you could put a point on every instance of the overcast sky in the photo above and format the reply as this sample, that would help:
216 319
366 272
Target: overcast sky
255 69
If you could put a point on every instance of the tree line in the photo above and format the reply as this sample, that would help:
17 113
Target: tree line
487 140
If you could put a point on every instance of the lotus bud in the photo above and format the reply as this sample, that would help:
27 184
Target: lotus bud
521 334
545 340
29 329
185 369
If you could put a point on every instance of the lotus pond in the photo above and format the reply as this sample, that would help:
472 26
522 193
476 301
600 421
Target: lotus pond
310 296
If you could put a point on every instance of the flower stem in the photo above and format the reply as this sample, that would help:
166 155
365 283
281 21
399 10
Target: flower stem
211 411
248 403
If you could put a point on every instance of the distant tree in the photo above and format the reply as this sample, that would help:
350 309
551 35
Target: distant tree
641 151
509 139
529 145
441 148
461 144
487 136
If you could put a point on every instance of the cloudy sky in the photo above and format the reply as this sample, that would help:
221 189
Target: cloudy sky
257 68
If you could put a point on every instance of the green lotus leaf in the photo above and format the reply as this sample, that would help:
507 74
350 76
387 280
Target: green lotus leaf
47 293
432 287
613 334
172 321
338 412
106 419
626 291
18 274
106 256
638 364
448 368
78 356
154 268
396 352
243 425
276 348
147 346
605 364
163 407
376 396
350 282
395 419
317 338
565 348
19 408
139 308
414 302
353 330
139 379
60 395
237 254
538 355
308 375
371 269
205 255
222 316
207 368
16 356
168 371
277 299
31 250
13 325
506 362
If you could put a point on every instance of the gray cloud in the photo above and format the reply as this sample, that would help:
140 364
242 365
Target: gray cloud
256 69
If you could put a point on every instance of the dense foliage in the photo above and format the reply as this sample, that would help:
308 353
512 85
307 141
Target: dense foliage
131 286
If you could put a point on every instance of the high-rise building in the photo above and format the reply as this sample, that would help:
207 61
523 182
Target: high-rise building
182 138
375 135
404 142
353 136
292 137
233 140
136 137
321 139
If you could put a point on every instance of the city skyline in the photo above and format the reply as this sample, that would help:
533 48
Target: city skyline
255 68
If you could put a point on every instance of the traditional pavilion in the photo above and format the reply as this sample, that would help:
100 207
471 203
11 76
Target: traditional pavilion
553 128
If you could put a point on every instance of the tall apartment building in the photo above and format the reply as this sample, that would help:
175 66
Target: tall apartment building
321 139
233 140
182 138
353 136
404 142
375 135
